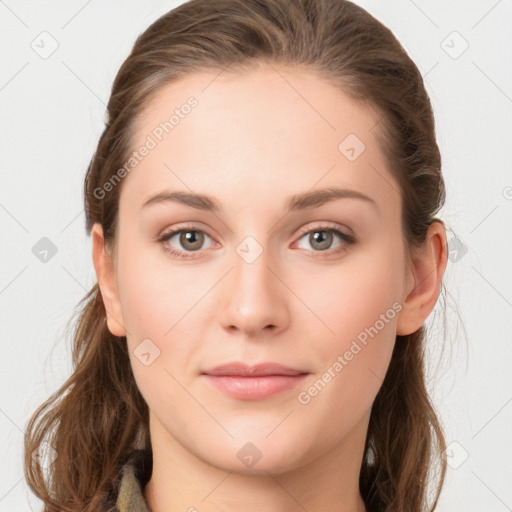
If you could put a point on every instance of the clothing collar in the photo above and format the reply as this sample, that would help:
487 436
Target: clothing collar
135 474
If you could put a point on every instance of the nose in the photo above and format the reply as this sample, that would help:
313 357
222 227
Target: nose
255 297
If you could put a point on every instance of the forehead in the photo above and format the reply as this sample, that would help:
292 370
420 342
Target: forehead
269 130
264 101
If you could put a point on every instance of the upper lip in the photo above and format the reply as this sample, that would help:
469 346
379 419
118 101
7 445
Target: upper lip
245 370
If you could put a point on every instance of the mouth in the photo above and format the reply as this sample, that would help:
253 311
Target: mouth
258 382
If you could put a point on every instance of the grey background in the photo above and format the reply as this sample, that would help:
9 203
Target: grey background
52 113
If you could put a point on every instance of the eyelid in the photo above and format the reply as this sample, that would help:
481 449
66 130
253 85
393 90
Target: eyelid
325 225
182 227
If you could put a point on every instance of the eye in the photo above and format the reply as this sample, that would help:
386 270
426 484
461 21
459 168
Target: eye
322 237
190 239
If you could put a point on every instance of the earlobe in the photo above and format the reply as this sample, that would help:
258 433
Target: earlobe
105 274
428 266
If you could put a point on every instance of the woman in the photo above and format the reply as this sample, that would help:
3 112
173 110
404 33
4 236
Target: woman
262 206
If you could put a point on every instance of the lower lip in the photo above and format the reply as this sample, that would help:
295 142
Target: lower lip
254 388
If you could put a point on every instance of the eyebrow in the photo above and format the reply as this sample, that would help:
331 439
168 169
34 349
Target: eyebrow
312 199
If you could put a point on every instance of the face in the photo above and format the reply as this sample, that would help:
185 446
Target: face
261 270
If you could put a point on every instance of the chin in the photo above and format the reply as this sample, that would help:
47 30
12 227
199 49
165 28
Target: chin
255 456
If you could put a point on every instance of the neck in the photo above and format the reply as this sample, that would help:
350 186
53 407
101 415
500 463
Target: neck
181 481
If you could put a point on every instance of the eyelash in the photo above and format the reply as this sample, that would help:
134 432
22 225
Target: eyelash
348 239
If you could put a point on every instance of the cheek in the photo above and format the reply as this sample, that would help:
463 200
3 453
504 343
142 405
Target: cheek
355 297
160 307
156 296
160 336
361 308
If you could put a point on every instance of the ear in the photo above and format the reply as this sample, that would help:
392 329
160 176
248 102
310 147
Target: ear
428 266
105 274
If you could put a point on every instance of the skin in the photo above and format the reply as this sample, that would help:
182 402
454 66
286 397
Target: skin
251 143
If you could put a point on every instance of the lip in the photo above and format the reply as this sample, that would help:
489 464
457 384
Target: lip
257 382
258 370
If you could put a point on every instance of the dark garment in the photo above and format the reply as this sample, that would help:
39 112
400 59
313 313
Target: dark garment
135 474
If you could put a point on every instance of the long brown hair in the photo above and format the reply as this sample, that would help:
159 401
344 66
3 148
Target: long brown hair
98 416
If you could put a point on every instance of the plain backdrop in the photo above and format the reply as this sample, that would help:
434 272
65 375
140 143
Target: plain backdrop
58 61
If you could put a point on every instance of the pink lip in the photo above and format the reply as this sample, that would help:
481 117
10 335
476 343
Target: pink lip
253 382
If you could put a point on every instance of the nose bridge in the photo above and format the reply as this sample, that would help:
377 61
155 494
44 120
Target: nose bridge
255 295
251 273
